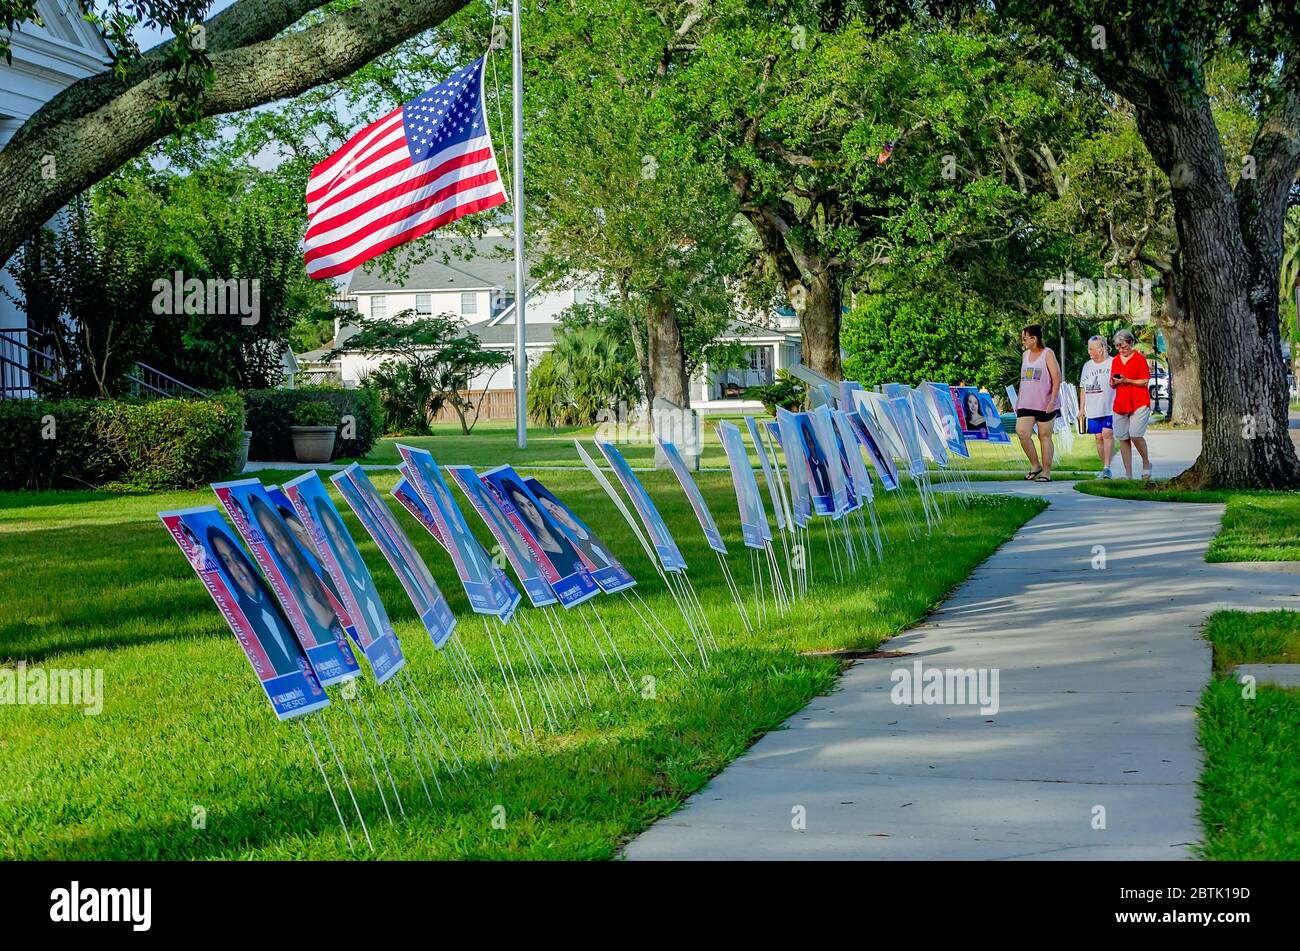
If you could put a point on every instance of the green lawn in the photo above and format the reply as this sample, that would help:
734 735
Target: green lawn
91 580
1257 525
1250 787
492 443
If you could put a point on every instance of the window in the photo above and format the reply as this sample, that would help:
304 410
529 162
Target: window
379 306
468 303
424 303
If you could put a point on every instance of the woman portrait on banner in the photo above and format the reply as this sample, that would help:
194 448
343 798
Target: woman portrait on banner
551 541
304 586
973 412
1038 402
587 543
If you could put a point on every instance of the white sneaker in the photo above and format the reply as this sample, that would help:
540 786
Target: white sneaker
1104 473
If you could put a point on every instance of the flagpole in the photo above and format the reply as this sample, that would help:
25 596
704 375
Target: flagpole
521 276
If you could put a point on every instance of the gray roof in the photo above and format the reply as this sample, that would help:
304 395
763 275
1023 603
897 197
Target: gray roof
505 333
490 265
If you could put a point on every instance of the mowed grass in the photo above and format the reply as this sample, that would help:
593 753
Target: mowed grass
1250 787
1257 525
92 580
492 443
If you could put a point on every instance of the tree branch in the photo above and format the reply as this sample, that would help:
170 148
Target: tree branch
89 134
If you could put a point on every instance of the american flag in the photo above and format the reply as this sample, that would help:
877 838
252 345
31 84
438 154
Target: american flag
425 164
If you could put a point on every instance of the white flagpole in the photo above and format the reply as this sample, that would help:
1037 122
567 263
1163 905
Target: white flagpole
521 276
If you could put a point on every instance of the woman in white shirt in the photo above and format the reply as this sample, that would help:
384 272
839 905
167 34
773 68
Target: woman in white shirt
1095 399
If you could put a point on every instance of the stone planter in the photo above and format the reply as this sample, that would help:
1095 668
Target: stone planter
242 462
313 443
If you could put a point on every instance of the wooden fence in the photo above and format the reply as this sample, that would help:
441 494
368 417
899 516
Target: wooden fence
497 404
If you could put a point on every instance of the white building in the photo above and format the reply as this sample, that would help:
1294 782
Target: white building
480 290
46 60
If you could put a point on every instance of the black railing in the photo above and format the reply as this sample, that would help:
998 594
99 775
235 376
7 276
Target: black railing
27 370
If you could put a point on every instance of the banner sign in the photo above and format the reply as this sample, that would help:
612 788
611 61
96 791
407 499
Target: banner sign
852 450
249 608
662 539
943 402
754 528
769 473
307 546
993 420
371 628
864 427
876 407
693 495
305 600
369 507
830 434
561 566
932 442
516 550
796 466
488 589
606 570
495 596
836 464
900 412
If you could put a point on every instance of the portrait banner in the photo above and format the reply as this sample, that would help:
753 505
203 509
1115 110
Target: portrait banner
296 584
694 496
378 521
558 560
371 629
249 607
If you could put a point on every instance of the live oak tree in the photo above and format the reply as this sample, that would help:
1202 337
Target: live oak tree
615 198
1155 54
252 52
866 153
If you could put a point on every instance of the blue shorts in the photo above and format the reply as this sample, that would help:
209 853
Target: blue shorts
1095 426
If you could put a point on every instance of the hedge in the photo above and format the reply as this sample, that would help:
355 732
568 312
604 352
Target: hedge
270 413
151 444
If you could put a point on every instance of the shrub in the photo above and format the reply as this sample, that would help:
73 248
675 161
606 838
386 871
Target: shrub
785 392
271 413
148 444
588 372
315 413
173 443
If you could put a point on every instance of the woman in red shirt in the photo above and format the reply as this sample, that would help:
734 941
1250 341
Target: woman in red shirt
1129 375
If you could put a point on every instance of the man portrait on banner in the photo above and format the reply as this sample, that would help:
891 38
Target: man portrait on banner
254 601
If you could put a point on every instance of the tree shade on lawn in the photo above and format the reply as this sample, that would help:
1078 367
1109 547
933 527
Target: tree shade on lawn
90 580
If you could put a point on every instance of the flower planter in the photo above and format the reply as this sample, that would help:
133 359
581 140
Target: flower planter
313 443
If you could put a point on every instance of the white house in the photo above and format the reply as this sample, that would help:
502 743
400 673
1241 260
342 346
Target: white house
481 291
46 60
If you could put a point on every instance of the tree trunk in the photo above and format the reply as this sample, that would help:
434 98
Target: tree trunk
97 124
1184 361
819 323
638 343
1233 306
667 355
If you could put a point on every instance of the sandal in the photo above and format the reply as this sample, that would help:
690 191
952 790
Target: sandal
1146 474
1032 474
1042 478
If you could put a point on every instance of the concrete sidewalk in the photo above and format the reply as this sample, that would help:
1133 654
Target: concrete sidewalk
1100 670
